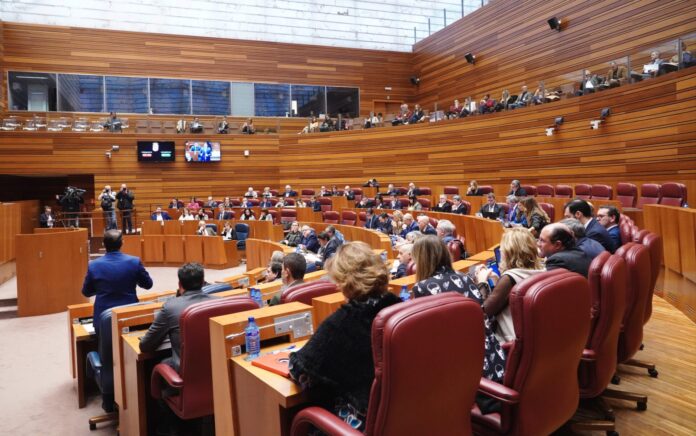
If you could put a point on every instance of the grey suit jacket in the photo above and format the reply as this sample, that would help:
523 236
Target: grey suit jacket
573 260
167 323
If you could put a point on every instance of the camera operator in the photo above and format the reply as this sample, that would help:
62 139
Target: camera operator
107 199
70 202
125 205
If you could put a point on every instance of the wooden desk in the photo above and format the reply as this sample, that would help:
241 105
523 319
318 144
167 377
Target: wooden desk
326 305
482 256
226 334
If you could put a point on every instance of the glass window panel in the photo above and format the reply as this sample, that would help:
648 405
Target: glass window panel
242 99
80 93
271 100
211 98
170 96
310 100
32 91
345 101
126 94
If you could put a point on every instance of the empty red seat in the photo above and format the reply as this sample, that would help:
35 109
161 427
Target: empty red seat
650 193
485 189
288 216
358 194
673 194
424 202
326 203
451 190
626 193
289 201
550 210
348 217
564 191
583 190
330 217
305 292
362 217
307 192
601 192
545 190
531 190
424 190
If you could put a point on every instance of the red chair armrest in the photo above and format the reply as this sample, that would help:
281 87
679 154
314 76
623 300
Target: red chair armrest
507 346
322 419
589 355
498 391
168 374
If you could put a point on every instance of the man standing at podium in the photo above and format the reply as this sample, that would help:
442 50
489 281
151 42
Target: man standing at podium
113 277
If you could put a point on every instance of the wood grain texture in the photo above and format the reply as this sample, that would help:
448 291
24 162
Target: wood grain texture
10 225
522 49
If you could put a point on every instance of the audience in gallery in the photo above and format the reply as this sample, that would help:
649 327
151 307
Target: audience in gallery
312 127
491 209
617 74
404 259
248 127
292 274
372 121
557 244
265 215
403 116
523 99
228 232
609 217
473 189
443 205
535 217
160 215
424 226
327 124
293 238
196 126
457 110
435 275
417 116
337 360
223 126
186 215
504 101
582 211
247 215
458 206
588 246
487 104
309 240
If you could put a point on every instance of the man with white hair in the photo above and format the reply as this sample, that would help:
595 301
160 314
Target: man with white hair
425 227
443 205
410 225
251 193
348 193
289 192
412 190
445 231
458 206
404 258
309 240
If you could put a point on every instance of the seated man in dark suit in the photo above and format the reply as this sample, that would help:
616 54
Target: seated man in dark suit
491 209
588 246
348 193
329 245
364 203
292 274
391 190
609 218
46 219
223 214
458 206
581 211
160 215
263 204
309 240
443 205
557 244
371 220
289 192
384 224
516 189
196 126
394 203
314 204
425 227
410 225
412 190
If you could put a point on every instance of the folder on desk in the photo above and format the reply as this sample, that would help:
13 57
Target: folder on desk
275 362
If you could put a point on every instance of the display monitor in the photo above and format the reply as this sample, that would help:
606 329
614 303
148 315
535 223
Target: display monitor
202 151
156 151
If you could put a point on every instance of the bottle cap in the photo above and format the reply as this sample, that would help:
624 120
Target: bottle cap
251 319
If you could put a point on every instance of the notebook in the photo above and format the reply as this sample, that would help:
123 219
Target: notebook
275 362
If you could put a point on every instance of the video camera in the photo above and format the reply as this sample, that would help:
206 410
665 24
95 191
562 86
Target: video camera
73 192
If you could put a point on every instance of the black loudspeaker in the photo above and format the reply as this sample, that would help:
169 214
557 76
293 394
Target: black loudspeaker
470 58
415 80
605 113
554 23
558 121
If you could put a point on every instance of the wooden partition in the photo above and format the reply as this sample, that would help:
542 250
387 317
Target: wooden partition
372 238
50 270
10 225
259 252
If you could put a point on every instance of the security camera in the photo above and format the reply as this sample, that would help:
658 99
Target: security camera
594 124
387 88
549 131
108 155
115 147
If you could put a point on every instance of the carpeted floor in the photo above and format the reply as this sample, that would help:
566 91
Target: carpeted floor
37 393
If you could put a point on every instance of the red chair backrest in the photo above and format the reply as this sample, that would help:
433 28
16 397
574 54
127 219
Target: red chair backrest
308 192
637 259
650 193
583 190
602 192
654 243
673 194
607 280
451 190
348 217
326 203
330 217
424 190
289 201
468 207
274 192
506 207
433 221
358 194
274 214
253 201
362 218
288 215
626 193
398 404
455 249
531 190
401 190
485 189
550 316
305 292
424 202
550 210
626 230
545 191
196 396
234 202
564 191
411 268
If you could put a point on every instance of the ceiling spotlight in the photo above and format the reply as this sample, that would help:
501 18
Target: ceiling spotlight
470 58
554 23
415 80
605 113
108 155
115 147
549 131
558 121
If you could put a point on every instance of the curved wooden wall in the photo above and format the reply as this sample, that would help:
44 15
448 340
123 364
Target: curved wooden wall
514 45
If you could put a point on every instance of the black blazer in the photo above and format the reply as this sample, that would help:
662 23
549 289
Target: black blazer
521 192
498 212
287 194
461 209
43 220
350 195
225 216
447 207
596 231
573 260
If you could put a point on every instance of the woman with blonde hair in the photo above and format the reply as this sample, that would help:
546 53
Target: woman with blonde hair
338 357
535 216
518 260
473 189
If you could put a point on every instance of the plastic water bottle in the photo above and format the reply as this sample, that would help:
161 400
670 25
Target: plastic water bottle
255 295
383 255
404 294
253 338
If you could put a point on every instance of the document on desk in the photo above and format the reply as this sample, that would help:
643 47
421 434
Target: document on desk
275 362
89 327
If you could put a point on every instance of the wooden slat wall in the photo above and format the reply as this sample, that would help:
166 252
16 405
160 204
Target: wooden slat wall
514 45
68 49
3 106
10 225
650 136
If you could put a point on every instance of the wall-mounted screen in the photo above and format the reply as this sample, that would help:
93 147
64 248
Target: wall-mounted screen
202 151
156 151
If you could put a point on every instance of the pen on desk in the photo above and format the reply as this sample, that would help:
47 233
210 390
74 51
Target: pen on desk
291 347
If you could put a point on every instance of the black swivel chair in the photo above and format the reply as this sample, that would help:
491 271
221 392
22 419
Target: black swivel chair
101 369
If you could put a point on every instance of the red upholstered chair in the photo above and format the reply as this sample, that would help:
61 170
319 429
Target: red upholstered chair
425 190
637 258
650 193
403 202
673 194
540 388
326 203
348 217
307 192
433 221
530 189
468 207
545 190
451 190
506 207
625 218
358 194
601 192
583 190
304 293
402 190
424 202
235 203
607 279
626 230
435 402
564 191
627 193
485 189
330 217
254 202
288 216
274 192
456 249
362 218
654 243
411 268
194 380
289 201
550 210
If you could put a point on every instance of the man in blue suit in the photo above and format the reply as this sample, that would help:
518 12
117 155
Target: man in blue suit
410 225
113 277
160 215
581 211
609 217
